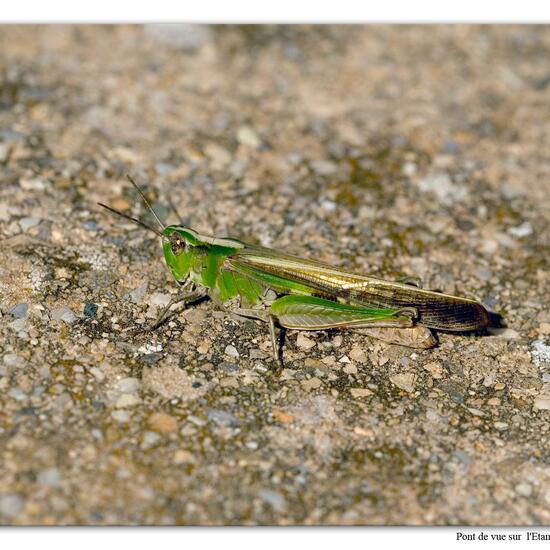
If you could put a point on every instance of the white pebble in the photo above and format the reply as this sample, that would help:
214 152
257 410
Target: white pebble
504 333
50 477
404 381
121 416
523 230
98 374
138 293
64 314
501 426
305 343
542 403
27 223
231 351
247 136
158 299
524 489
275 499
11 505
128 385
540 352
13 360
127 400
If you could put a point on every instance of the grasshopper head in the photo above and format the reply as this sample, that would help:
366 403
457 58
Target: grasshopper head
178 243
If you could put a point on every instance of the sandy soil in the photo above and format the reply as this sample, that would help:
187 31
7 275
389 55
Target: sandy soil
394 151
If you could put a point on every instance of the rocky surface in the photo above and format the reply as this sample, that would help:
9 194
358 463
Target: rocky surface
397 151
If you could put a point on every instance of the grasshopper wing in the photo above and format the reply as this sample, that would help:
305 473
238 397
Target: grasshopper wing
293 275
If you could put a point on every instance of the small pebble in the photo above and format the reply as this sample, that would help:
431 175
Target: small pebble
282 416
121 416
329 206
138 293
27 223
127 400
159 299
248 136
182 456
511 191
90 309
222 418
435 369
311 384
98 374
150 439
501 426
50 477
4 152
358 355
463 457
404 381
188 37
91 225
542 403
196 420
13 360
274 498
523 230
305 343
524 489
409 168
504 333
147 349
17 394
162 422
19 311
432 415
323 167
540 352
483 274
64 314
442 186
360 392
32 184
11 505
451 147
4 212
231 351
128 385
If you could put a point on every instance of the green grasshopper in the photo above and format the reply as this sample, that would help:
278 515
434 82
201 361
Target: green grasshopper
295 293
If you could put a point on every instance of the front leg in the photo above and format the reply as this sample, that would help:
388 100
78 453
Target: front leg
185 297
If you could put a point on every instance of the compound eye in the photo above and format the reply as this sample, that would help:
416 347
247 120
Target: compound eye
177 244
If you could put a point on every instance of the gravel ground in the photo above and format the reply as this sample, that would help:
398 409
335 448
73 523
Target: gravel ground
391 150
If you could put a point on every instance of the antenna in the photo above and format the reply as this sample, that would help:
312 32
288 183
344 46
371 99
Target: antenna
145 201
138 222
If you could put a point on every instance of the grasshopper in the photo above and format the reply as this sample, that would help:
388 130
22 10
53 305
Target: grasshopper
290 292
